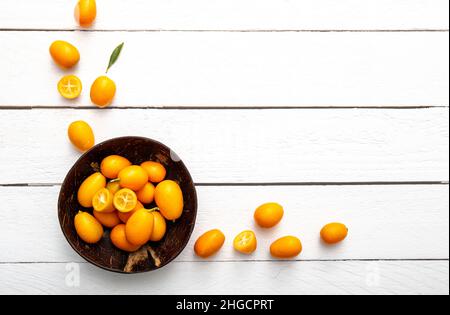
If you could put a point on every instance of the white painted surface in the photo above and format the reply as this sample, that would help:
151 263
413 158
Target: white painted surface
397 277
232 14
385 222
244 146
243 61
236 69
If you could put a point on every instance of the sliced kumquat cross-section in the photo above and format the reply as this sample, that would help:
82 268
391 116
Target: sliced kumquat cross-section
125 200
103 201
70 87
245 242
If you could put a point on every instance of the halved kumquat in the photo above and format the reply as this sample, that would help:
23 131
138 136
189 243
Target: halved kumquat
245 242
70 87
103 201
125 200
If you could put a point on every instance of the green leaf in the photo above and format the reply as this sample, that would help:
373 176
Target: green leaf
114 56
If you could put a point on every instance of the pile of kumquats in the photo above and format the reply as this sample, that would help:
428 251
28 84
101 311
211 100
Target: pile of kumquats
119 194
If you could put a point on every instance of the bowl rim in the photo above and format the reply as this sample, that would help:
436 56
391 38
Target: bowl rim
191 230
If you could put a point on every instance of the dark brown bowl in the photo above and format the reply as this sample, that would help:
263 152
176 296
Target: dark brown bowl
104 254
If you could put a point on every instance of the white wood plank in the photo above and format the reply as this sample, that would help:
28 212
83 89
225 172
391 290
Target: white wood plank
425 277
232 14
236 69
243 146
385 222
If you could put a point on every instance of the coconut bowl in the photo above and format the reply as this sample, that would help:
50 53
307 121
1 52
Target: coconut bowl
103 254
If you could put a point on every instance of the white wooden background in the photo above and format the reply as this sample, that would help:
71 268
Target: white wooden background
336 109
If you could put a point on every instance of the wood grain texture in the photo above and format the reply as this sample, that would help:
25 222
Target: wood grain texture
220 69
242 53
399 277
243 146
385 222
232 14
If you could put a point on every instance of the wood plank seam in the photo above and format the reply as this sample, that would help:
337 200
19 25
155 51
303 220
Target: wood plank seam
404 183
248 107
240 261
235 15
225 30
